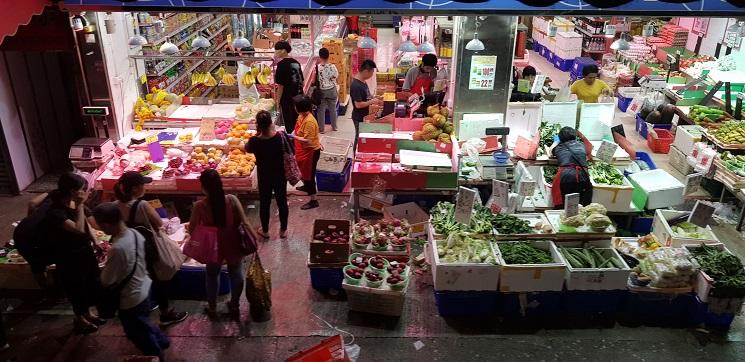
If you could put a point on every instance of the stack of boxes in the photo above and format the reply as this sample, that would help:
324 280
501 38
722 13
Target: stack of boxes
337 58
674 35
637 49
568 47
579 64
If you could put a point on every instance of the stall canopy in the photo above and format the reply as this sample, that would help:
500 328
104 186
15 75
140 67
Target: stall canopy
17 13
719 7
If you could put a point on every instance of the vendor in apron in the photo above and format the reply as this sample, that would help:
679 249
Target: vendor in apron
572 176
421 80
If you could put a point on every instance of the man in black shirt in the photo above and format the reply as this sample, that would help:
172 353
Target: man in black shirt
289 79
361 98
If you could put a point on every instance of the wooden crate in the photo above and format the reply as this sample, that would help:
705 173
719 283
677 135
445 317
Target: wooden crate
727 177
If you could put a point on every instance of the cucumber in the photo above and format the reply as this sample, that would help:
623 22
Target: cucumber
570 258
589 257
579 255
617 263
599 259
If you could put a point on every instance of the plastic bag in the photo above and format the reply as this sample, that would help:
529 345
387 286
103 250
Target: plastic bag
258 286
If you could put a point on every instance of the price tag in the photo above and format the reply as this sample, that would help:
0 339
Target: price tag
523 85
464 203
526 188
153 146
636 105
571 205
693 183
701 214
207 130
540 79
606 151
500 196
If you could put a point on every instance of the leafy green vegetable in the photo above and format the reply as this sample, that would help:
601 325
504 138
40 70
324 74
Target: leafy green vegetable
510 224
688 230
549 172
524 253
463 248
605 174
548 131
726 270
443 219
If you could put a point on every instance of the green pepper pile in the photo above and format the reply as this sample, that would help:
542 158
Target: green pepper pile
726 270
604 173
524 253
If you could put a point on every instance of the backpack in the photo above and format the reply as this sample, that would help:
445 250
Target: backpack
30 239
151 250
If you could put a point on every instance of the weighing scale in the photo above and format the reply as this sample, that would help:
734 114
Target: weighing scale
89 154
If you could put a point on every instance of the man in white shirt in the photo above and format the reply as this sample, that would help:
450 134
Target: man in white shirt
127 253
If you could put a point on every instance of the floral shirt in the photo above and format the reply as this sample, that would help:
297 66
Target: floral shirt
327 75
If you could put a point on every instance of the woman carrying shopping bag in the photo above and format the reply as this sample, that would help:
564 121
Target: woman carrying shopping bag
129 191
219 220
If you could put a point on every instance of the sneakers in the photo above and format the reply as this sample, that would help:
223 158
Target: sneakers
172 317
312 204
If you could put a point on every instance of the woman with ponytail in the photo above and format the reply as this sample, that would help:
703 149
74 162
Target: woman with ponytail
226 213
71 242
129 191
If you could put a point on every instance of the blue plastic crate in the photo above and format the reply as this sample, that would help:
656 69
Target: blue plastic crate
563 65
334 181
660 309
641 126
542 305
641 225
325 279
537 47
646 158
466 303
624 103
585 302
189 283
580 63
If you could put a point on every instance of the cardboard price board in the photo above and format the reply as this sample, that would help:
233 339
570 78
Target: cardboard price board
606 151
693 183
701 214
207 130
481 75
500 195
464 205
571 205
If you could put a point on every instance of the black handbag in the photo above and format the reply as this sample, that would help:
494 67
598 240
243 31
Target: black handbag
316 95
110 297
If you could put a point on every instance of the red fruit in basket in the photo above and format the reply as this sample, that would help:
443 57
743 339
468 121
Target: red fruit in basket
377 262
355 273
393 279
373 276
328 240
360 262
396 222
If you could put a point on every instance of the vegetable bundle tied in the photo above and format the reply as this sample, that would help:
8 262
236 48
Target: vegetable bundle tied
524 253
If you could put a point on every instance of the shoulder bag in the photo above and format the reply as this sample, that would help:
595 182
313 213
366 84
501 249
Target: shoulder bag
110 298
292 171
202 245
247 243
169 257
316 95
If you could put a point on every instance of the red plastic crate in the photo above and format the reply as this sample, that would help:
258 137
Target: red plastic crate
661 143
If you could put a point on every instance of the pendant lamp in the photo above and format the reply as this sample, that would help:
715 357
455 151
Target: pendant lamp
475 44
200 42
241 42
621 43
407 46
426 47
168 48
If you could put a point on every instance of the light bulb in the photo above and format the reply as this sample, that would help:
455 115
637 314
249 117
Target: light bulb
168 48
200 42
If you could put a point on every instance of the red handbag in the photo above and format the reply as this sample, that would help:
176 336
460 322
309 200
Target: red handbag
292 171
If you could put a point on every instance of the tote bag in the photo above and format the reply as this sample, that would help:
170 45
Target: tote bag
167 255
292 171
202 246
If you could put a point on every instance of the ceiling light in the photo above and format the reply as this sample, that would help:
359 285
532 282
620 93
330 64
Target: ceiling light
367 42
241 42
200 42
426 47
475 44
137 40
168 48
408 46
621 43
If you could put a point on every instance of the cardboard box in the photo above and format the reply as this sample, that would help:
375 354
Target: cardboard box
686 136
598 278
532 277
463 276
614 197
321 252
334 154
678 160
412 213
655 189
375 203
664 232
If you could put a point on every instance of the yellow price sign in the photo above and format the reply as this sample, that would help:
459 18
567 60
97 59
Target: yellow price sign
143 79
151 139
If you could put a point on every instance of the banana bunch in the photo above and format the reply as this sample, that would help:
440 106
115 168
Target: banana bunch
248 79
228 79
209 80
220 72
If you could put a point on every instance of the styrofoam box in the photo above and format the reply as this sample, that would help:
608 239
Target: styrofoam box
568 41
662 189
463 276
686 136
568 54
532 277
597 278
614 197
412 213
334 154
375 203
546 189
704 282
664 233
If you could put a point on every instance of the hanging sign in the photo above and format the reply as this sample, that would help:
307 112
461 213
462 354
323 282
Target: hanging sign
464 203
700 26
153 146
701 214
482 72
540 79
523 85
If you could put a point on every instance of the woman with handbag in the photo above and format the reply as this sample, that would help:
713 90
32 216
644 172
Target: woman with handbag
268 148
307 148
129 191
326 77
125 274
66 226
221 216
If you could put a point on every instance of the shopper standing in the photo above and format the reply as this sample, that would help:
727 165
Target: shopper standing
125 263
361 97
289 79
590 88
129 191
267 147
72 246
307 148
226 213
327 79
